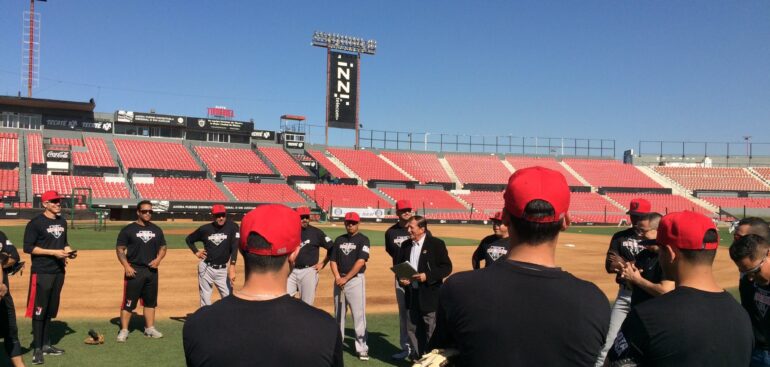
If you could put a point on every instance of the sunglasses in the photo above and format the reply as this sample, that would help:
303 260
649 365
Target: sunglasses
351 223
304 217
146 211
757 268
55 201
220 215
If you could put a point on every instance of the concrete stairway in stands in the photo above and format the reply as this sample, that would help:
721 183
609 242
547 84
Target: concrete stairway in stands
507 165
225 190
758 176
577 175
399 169
676 188
198 160
450 172
111 148
267 162
342 166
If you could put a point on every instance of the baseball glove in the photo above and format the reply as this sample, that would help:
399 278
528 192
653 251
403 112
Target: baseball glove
17 268
437 358
94 338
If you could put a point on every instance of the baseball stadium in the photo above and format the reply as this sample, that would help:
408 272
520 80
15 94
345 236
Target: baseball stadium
104 159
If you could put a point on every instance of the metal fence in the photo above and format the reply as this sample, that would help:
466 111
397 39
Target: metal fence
745 149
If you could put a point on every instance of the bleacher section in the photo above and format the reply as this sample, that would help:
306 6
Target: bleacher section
265 193
282 161
183 189
487 202
64 185
9 182
232 160
34 149
734 202
764 172
661 203
165 156
466 215
346 196
98 155
590 207
324 161
75 142
713 178
519 162
9 147
478 169
367 165
427 199
611 173
425 167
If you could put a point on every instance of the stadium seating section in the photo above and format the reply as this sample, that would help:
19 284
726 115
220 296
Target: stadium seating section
733 202
65 184
155 155
282 161
324 161
367 165
187 189
265 193
232 160
346 196
478 169
34 149
75 142
9 147
466 215
9 182
97 155
424 167
487 202
519 162
661 203
427 199
713 178
592 207
764 172
610 173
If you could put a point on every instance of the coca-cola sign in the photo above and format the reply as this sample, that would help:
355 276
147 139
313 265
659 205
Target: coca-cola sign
57 155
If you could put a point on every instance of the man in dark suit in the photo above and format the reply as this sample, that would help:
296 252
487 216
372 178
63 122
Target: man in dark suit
428 255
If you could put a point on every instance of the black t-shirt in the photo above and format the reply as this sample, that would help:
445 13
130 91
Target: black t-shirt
647 263
220 243
347 250
394 237
490 250
518 314
280 332
685 327
142 242
756 300
627 244
7 248
49 234
312 239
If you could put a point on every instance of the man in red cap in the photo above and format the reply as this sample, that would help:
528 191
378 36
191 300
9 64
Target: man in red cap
696 324
494 246
348 262
218 256
261 324
394 238
304 276
624 247
525 311
45 239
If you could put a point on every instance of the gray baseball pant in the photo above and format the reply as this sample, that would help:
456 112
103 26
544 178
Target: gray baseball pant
352 295
304 281
619 311
208 276
403 314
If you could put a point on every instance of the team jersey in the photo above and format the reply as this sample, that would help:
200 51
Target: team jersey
647 263
49 234
347 250
627 244
280 332
7 248
756 300
142 242
520 314
394 237
491 249
312 239
684 327
220 243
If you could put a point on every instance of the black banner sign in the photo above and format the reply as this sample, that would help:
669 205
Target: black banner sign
78 124
178 206
343 91
263 135
294 144
142 118
207 124
57 155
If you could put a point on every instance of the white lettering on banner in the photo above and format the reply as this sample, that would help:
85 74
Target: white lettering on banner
371 213
57 154
343 86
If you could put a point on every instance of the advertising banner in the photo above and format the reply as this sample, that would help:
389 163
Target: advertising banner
343 90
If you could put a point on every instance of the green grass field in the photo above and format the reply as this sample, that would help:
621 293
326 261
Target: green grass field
725 238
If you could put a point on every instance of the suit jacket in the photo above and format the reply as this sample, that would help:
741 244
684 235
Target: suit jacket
435 263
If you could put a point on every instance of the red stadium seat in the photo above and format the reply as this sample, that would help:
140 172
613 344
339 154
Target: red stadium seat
324 161
425 167
478 169
265 193
285 164
519 162
367 165
661 203
346 196
155 155
34 149
713 178
610 173
232 160
187 189
100 188
427 199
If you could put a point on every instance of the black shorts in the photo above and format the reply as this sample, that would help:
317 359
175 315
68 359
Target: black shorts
143 286
44 294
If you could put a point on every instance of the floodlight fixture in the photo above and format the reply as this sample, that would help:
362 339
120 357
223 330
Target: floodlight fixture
344 43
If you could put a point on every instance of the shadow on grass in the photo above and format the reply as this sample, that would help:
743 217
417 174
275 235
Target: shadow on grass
58 330
379 347
136 322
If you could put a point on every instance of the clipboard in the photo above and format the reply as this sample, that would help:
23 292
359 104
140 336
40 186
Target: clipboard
405 270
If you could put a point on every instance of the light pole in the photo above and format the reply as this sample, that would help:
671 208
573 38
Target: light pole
747 138
425 142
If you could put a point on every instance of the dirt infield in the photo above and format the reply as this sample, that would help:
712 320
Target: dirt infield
94 282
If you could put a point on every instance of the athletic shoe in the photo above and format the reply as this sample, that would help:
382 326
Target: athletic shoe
51 350
364 356
152 332
403 354
122 335
37 356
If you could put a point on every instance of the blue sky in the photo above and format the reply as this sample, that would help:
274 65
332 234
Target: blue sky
624 70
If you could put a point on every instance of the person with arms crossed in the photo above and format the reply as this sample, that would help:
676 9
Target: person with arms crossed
140 247
494 246
9 331
218 256
261 324
304 275
749 253
645 274
696 324
524 310
45 239
394 238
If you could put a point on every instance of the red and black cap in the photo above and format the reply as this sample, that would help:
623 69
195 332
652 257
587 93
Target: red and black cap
639 206
218 209
685 230
302 210
278 224
403 204
352 217
498 216
50 195
537 183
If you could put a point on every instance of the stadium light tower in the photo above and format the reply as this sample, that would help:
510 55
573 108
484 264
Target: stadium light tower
30 56
339 112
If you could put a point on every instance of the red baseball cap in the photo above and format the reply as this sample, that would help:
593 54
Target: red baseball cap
537 183
639 206
50 195
277 223
218 209
498 216
352 217
302 210
403 204
685 230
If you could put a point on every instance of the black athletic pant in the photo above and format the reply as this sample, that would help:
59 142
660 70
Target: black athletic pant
8 329
43 305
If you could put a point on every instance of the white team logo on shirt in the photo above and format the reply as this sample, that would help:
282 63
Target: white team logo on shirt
633 246
400 240
55 230
304 243
217 238
347 248
620 344
145 236
495 252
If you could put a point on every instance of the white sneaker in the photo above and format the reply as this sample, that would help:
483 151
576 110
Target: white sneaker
152 332
122 335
